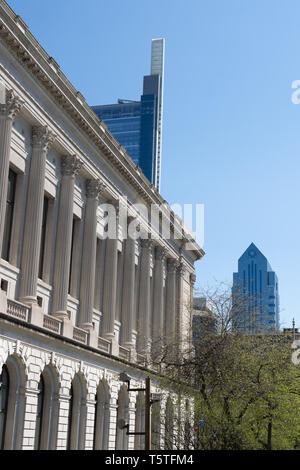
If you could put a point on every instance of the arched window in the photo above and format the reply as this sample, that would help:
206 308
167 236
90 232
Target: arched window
4 389
12 404
47 411
39 414
101 425
139 441
123 405
169 425
77 414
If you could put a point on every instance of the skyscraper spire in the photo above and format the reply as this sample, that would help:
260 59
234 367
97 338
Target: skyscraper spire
294 331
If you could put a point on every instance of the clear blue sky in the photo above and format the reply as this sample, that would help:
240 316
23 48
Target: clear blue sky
231 136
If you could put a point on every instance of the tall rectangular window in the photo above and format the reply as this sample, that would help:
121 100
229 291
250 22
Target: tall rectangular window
43 237
72 254
74 258
10 203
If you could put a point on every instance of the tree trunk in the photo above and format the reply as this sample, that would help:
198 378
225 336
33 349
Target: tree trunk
269 445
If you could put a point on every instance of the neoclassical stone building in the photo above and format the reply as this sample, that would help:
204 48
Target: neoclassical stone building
77 307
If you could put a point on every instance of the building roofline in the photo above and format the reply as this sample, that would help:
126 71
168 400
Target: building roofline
33 57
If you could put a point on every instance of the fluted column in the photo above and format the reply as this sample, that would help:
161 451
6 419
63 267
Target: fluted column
158 300
7 113
87 284
144 330
179 304
110 285
170 322
128 316
70 165
42 138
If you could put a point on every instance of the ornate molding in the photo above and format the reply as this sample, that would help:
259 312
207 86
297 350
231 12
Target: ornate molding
146 244
181 269
70 165
13 105
42 137
160 253
172 265
94 188
46 72
192 279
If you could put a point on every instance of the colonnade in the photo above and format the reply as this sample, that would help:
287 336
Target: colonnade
155 321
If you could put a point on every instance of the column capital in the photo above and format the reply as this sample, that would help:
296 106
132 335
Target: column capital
192 279
70 165
181 269
160 253
42 137
146 243
94 188
172 265
13 105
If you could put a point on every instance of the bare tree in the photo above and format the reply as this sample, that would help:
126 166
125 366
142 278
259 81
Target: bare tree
239 386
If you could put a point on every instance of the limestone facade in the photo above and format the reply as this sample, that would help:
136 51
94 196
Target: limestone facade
76 307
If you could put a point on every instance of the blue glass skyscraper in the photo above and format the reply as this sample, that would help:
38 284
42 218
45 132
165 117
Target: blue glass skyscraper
255 294
137 125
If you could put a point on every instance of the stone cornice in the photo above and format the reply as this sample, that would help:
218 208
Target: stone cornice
44 69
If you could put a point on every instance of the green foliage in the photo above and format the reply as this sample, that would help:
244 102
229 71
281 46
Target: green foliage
248 394
244 387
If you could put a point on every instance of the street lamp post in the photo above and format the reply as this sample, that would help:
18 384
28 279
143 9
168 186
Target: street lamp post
148 402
